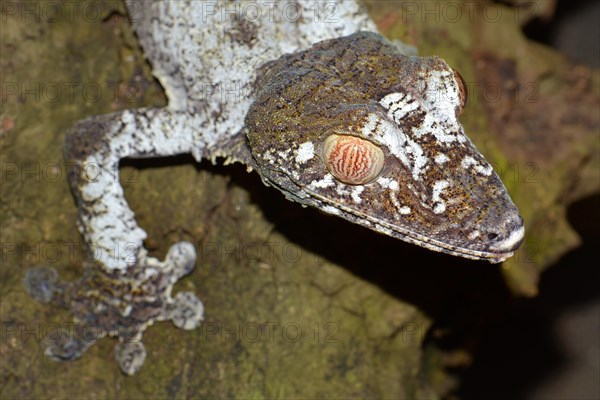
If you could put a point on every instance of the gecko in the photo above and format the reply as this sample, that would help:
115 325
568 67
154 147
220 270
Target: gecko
322 107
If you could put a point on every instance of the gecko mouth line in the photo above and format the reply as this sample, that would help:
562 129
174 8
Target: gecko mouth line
509 245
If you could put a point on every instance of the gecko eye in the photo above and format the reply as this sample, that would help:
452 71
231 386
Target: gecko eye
352 160
462 91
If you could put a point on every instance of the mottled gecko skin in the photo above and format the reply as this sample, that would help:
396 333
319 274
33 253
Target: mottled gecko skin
244 83
435 190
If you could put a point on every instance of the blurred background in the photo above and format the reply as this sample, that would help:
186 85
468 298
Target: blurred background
548 347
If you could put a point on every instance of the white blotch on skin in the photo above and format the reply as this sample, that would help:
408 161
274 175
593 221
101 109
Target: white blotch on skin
305 152
469 161
398 105
441 158
395 201
388 183
438 188
356 194
284 153
405 210
442 97
409 152
473 234
326 182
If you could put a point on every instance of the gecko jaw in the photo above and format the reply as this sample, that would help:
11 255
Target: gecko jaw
506 248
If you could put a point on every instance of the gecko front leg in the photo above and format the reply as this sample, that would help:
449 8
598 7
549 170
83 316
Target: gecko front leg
95 146
130 290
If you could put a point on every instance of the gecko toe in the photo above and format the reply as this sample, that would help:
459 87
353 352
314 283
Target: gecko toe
182 256
41 283
64 346
130 356
187 311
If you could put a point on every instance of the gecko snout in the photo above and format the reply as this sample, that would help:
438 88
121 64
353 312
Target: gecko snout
508 237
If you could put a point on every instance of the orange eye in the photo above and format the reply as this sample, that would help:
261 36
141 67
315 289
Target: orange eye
462 91
352 160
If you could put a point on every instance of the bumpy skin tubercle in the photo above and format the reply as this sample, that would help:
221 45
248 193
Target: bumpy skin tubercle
413 174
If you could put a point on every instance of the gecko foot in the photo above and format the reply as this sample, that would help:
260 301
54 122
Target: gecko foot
121 304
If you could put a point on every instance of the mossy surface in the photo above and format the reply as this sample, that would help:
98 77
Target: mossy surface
298 304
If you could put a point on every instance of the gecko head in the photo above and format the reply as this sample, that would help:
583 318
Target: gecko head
358 130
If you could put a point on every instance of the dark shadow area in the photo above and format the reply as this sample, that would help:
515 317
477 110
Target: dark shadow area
160 162
574 30
519 351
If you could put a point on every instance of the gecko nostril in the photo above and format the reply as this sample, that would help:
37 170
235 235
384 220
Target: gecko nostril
492 236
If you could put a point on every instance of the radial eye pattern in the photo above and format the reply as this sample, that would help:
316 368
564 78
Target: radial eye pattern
352 160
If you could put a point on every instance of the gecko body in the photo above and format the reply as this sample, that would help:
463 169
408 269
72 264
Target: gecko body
319 105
